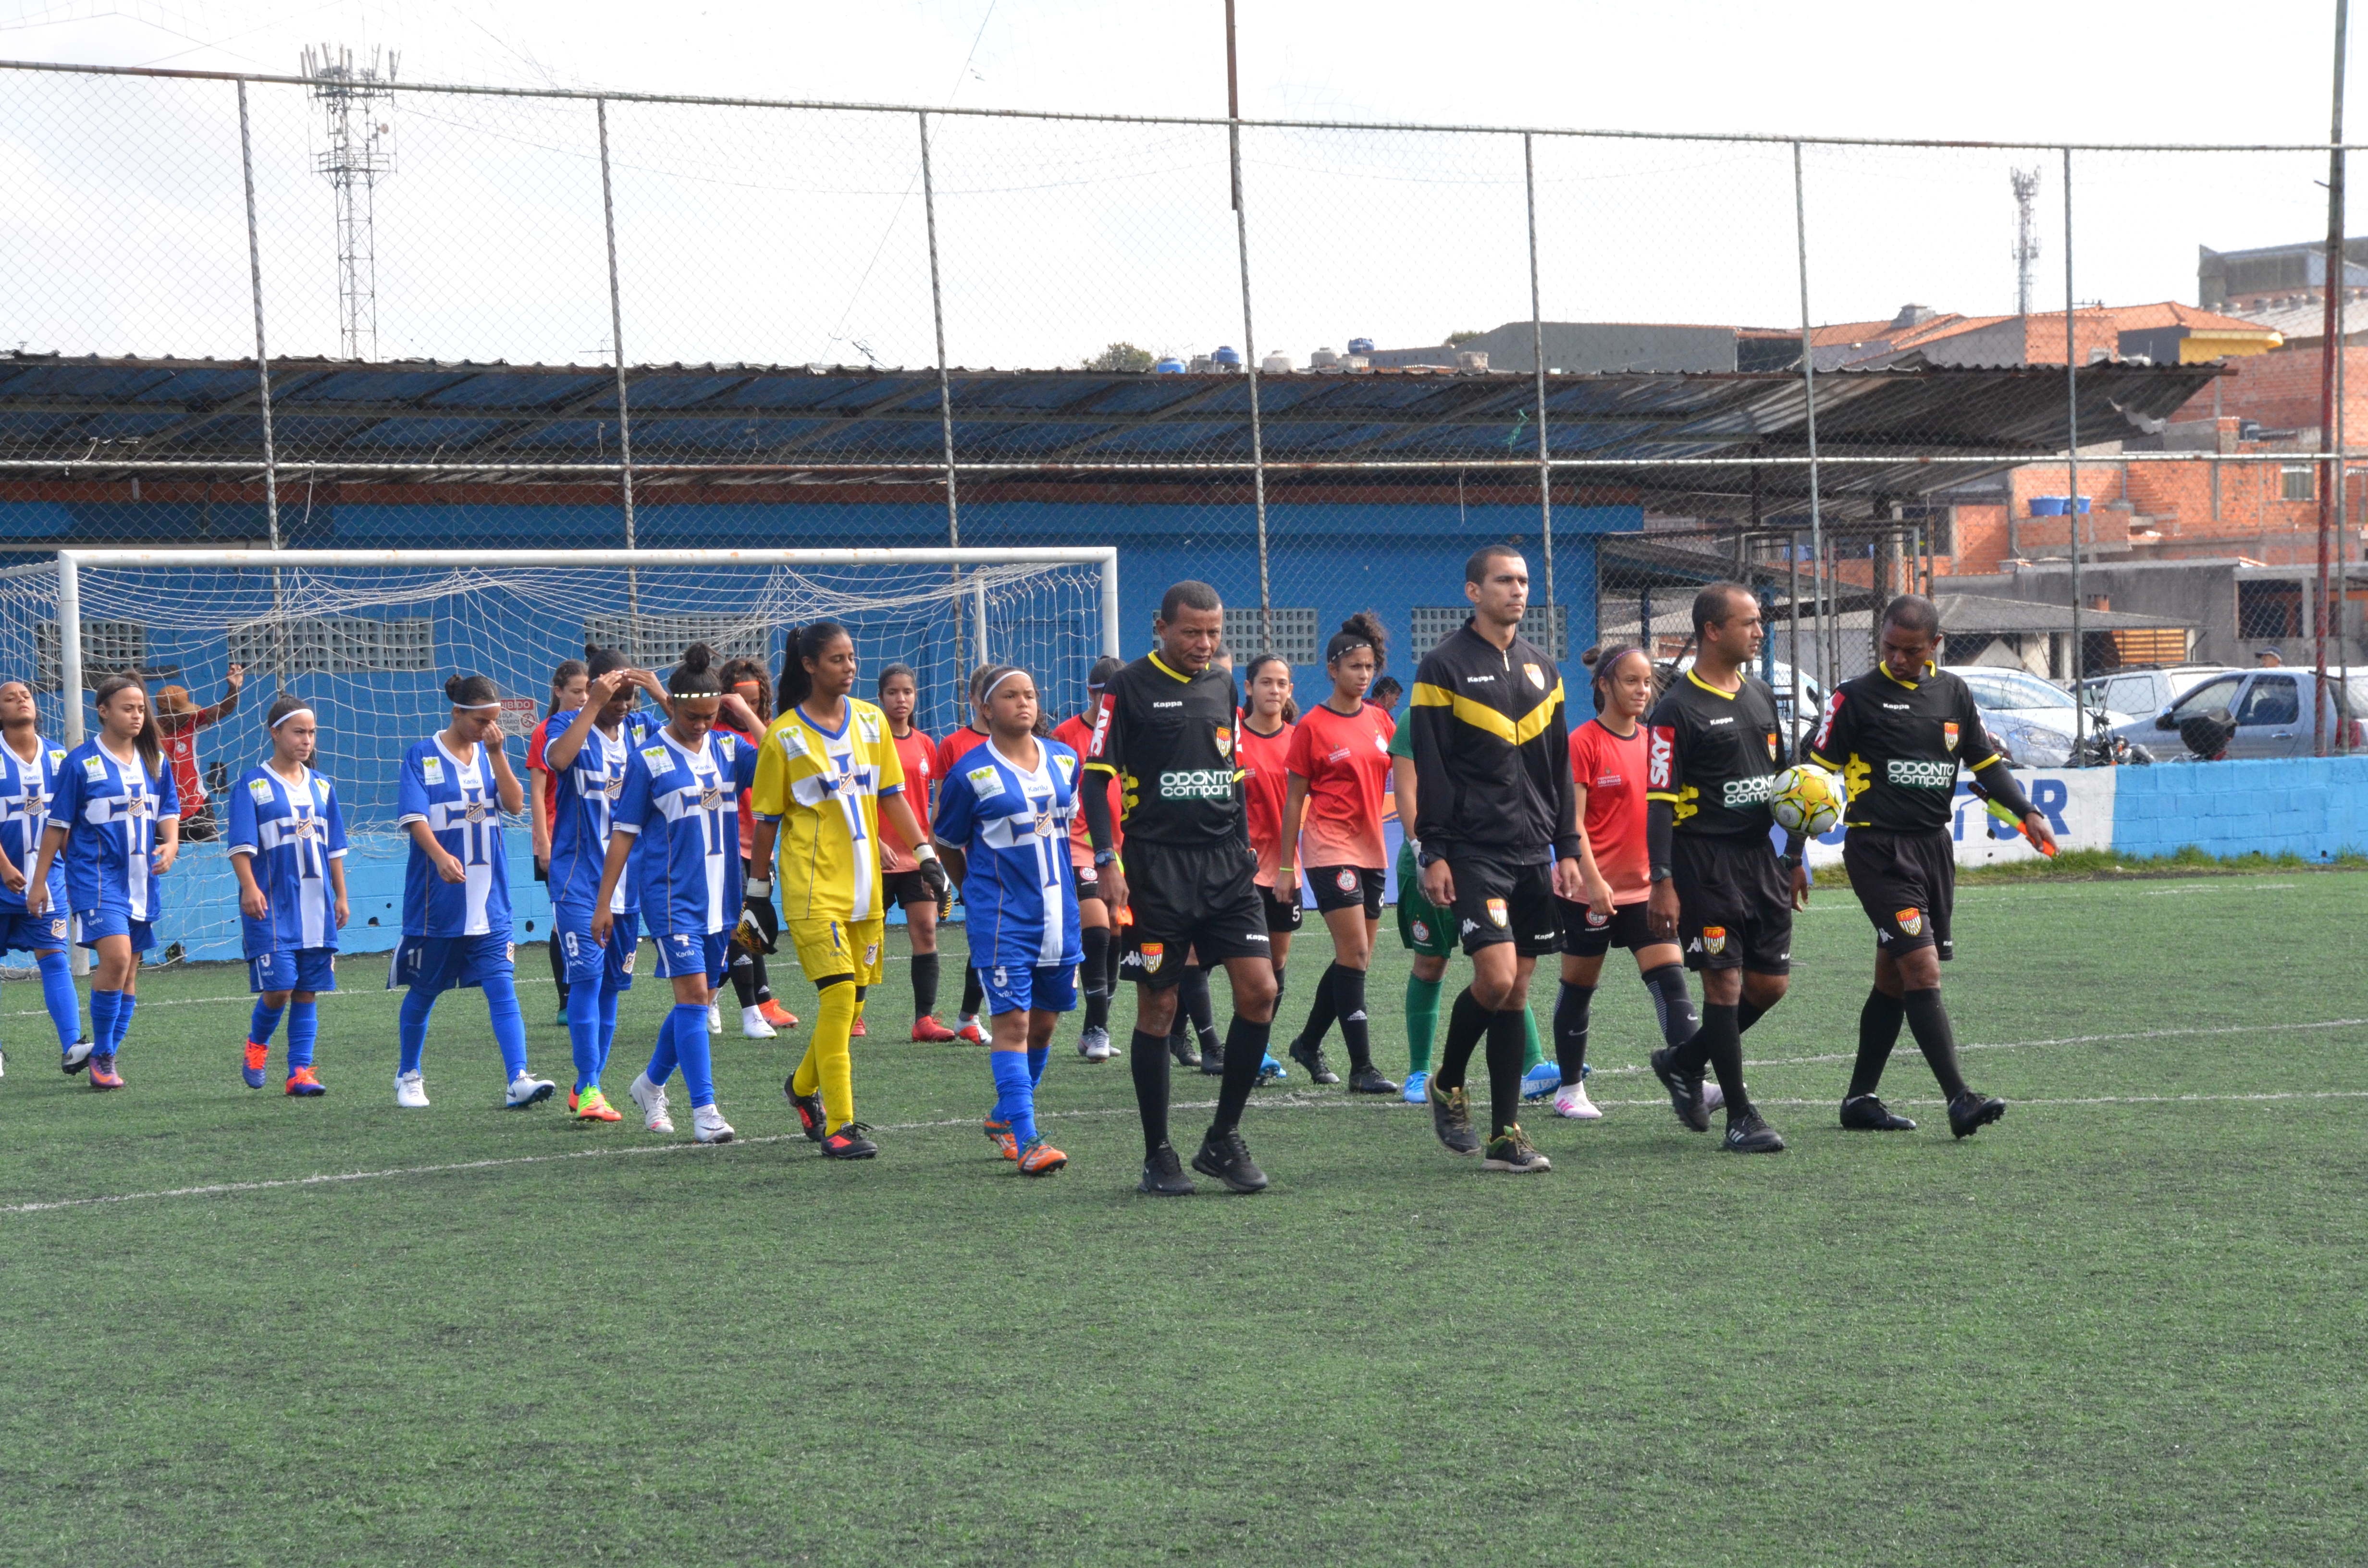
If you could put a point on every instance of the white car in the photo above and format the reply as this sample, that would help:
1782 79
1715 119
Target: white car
2269 709
2004 692
2141 692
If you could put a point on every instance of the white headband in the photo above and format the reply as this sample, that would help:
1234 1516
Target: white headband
475 707
996 682
291 713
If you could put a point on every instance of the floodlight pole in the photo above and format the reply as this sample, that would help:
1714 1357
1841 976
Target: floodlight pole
946 396
2072 468
1538 347
617 341
1249 334
1817 581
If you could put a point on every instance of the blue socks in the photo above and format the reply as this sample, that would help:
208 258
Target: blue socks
1015 1102
1037 1056
509 1024
609 998
262 1024
583 1033
303 1028
410 1026
58 995
103 1006
682 1039
125 1002
663 1056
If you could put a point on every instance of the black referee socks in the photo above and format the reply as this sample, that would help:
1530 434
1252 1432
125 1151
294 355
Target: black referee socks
1508 1042
1929 1021
1148 1059
1246 1044
1571 1003
1673 1003
1720 1043
1878 1031
925 984
1467 1021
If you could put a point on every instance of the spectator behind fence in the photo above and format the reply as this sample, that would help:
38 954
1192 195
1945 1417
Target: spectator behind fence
2269 658
1386 694
179 720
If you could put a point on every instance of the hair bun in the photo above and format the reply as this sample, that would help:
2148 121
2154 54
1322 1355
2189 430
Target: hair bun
699 656
452 685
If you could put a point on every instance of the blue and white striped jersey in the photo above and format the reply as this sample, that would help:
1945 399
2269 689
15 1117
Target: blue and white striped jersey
461 805
587 794
682 804
26 790
111 809
1018 890
292 832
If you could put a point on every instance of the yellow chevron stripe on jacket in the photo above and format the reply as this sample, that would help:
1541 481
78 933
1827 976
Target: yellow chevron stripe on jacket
1480 716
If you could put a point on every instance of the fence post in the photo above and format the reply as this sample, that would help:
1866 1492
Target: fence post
2330 421
70 667
263 384
946 402
1809 384
2072 468
1538 347
1249 340
617 342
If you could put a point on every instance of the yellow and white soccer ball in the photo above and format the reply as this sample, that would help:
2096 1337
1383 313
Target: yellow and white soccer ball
1806 799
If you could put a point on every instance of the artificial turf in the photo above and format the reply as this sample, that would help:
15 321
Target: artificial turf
2126 1325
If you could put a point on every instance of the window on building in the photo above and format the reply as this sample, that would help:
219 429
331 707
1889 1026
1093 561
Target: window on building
107 646
2297 483
1548 626
334 644
2270 609
1294 633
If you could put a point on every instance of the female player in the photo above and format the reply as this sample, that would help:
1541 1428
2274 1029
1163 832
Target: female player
567 684
1262 747
1607 763
676 820
1008 809
899 692
449 797
747 709
287 850
1099 974
28 782
585 754
1339 764
827 773
952 750
117 815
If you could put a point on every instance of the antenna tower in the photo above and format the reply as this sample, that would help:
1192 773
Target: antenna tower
356 104
2026 234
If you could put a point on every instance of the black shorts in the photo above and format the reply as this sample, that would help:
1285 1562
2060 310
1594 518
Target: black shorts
1090 882
1200 898
1906 882
1280 916
1499 901
1586 935
1734 906
905 888
1344 887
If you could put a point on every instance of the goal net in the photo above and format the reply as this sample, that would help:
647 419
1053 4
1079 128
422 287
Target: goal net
368 639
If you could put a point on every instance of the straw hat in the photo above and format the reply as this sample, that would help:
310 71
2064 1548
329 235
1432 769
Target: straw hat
173 702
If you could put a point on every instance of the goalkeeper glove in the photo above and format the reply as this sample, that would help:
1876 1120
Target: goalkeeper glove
934 878
758 930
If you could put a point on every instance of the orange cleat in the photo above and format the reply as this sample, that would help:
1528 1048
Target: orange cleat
256 1057
999 1135
927 1030
1040 1158
858 1031
303 1086
773 1013
103 1074
596 1107
971 1033
571 1099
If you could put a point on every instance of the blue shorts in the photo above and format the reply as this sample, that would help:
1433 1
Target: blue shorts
440 964
699 953
91 924
21 932
1047 988
588 963
294 969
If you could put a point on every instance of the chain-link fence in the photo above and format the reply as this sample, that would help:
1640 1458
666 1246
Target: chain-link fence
1313 363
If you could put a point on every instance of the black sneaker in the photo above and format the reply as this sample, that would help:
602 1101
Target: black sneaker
1685 1093
852 1142
1162 1175
1970 1112
1366 1080
1451 1117
810 1117
1867 1114
1511 1150
1751 1135
1226 1158
1312 1057
1212 1062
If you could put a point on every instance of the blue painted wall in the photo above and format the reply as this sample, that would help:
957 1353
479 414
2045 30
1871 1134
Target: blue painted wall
2314 807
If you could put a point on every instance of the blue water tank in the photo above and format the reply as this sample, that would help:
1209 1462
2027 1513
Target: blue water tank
1361 345
1170 366
1225 356
2055 506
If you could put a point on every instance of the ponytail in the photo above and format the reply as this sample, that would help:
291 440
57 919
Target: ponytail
567 670
808 641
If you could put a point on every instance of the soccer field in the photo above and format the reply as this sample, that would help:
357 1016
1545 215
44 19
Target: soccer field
2125 1325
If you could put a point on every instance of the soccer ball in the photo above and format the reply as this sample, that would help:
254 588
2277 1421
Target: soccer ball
1806 799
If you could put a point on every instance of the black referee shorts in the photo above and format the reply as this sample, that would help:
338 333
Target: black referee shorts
1501 900
1735 907
1184 898
1906 882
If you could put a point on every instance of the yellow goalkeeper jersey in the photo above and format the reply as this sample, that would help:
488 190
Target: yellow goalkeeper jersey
823 787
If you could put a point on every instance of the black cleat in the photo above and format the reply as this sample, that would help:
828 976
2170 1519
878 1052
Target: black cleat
1366 1080
1511 1150
1179 1045
1226 1158
851 1142
1212 1062
1685 1093
1752 1135
1867 1114
1970 1112
1451 1117
1312 1057
1162 1175
810 1116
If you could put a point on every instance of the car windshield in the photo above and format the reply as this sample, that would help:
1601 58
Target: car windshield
2012 688
2213 694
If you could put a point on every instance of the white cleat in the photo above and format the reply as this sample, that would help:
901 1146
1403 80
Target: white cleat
525 1089
1096 1046
77 1054
411 1091
653 1101
753 1024
714 1018
1570 1103
708 1126
1712 1096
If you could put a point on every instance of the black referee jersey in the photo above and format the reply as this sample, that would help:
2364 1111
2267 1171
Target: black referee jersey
1713 756
1168 737
1898 744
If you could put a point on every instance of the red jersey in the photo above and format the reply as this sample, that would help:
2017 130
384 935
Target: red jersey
747 817
1346 761
1265 760
1611 771
534 744
919 754
180 741
1075 733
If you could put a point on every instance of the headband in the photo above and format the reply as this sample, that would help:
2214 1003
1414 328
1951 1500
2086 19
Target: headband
748 686
476 706
998 681
1346 650
291 713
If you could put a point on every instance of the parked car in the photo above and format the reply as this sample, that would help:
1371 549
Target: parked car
2268 712
2145 690
2002 691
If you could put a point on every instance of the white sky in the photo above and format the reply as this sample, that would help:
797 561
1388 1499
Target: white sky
792 238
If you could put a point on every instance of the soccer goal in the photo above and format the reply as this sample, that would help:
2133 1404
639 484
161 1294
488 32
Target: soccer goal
368 637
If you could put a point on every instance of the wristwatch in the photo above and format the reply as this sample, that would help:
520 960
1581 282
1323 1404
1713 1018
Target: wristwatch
1104 857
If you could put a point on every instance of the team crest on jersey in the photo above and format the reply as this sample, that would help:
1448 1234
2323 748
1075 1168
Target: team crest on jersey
95 769
709 797
1771 745
1713 939
1497 914
1153 954
1537 677
985 781
1949 733
58 928
261 789
475 814
1346 881
1911 921
1225 739
1598 921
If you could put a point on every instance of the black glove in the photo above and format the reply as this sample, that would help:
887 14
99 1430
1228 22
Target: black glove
933 877
760 931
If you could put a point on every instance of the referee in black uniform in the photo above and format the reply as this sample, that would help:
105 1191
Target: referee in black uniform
1165 728
1719 889
1497 816
1897 735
